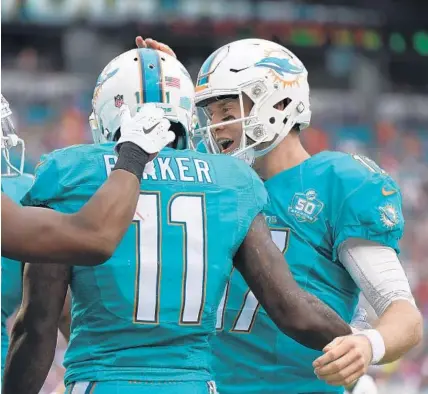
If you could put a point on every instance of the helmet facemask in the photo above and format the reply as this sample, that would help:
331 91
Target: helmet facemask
263 128
9 140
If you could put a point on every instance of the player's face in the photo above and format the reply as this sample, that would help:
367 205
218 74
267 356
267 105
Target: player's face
228 137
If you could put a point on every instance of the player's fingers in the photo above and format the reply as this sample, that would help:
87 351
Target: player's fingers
340 364
167 49
164 125
347 376
140 43
335 342
333 354
151 43
149 114
124 113
170 137
160 46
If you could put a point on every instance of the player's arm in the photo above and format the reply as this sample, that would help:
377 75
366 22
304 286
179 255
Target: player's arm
377 271
34 334
366 244
297 313
90 236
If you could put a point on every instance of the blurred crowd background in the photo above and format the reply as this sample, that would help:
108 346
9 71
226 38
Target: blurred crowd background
368 69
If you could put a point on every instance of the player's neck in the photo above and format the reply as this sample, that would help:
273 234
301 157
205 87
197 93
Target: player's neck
288 154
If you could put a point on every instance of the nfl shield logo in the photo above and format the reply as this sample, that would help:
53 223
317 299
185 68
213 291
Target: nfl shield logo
118 100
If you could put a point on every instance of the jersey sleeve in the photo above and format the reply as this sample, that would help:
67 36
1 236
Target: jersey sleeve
372 211
48 189
66 178
46 183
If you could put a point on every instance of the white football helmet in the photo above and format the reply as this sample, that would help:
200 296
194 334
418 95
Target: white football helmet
138 77
268 74
10 140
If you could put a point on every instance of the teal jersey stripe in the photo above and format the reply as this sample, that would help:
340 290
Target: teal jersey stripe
152 76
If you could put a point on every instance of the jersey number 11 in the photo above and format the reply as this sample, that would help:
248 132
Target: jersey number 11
187 211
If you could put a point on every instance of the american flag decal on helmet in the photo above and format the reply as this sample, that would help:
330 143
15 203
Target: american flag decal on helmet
173 82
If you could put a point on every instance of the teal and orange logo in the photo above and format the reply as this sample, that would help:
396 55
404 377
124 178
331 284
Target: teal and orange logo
282 67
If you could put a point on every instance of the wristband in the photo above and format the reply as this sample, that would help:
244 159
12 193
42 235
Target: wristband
378 345
132 159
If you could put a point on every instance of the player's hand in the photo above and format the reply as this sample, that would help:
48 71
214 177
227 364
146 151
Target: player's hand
153 44
345 360
149 129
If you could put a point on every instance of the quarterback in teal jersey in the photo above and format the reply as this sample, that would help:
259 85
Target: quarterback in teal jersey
337 218
142 322
14 183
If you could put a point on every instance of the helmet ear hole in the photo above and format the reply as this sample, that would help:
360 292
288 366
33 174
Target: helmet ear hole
281 105
181 140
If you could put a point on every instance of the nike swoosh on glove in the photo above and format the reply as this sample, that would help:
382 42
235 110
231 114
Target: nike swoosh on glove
149 129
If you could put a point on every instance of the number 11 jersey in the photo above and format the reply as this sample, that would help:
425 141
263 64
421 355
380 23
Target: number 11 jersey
148 313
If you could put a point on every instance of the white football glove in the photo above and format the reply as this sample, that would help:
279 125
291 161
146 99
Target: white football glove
149 129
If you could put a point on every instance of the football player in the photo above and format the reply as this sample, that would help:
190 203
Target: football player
142 322
336 216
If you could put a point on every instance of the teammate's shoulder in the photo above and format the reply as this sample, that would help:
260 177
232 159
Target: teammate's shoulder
342 164
352 170
72 153
74 157
74 165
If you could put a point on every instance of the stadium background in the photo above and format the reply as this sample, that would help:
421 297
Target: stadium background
367 63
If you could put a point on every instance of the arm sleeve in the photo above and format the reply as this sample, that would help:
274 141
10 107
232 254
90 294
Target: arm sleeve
377 271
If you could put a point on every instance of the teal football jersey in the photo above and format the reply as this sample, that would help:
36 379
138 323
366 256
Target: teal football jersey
313 208
148 313
11 271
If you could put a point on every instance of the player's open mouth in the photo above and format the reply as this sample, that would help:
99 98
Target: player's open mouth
225 145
